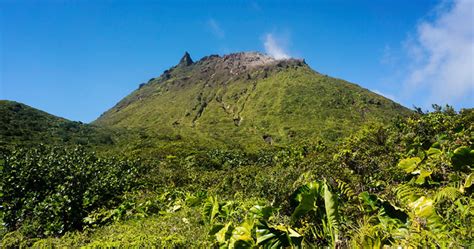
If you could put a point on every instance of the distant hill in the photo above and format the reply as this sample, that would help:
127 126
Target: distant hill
24 125
248 100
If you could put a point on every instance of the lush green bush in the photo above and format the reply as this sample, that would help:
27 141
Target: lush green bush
408 185
49 190
417 177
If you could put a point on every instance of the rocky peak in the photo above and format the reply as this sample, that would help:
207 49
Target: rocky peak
249 59
186 60
242 63
246 60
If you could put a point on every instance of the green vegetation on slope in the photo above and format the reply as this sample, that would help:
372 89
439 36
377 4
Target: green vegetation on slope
239 151
230 102
21 124
407 184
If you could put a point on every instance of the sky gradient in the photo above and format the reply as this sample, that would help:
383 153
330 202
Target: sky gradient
76 59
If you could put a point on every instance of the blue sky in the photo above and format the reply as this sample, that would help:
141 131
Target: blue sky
76 59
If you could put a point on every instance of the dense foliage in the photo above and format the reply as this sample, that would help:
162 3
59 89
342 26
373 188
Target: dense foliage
49 190
408 184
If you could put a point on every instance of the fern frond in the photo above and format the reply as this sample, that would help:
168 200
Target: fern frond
407 194
346 190
447 193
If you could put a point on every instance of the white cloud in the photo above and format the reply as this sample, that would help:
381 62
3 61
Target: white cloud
273 48
442 51
215 28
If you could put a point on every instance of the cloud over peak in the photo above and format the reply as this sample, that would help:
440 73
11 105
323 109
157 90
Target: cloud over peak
273 48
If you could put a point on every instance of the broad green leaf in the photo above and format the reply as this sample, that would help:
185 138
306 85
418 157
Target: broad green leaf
242 236
462 156
469 181
224 234
305 198
409 164
385 207
369 200
277 236
264 235
393 211
422 175
215 208
423 207
313 187
260 212
241 244
433 152
211 209
330 204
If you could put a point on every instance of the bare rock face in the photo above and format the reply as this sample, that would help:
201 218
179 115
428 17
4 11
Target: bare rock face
215 67
238 62
186 60
248 59
243 62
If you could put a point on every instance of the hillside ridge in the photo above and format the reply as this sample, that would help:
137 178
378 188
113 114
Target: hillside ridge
23 124
248 98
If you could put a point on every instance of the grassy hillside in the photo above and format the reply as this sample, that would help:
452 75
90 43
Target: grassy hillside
22 124
248 100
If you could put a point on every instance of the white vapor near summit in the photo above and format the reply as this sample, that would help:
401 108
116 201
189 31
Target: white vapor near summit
274 49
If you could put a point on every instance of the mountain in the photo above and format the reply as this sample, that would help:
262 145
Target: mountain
248 100
22 124
149 175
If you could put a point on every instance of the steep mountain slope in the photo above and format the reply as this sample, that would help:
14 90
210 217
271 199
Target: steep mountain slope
250 100
22 124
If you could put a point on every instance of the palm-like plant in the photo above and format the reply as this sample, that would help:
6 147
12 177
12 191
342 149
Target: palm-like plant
316 199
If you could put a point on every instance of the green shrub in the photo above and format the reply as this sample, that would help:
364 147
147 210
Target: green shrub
49 190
